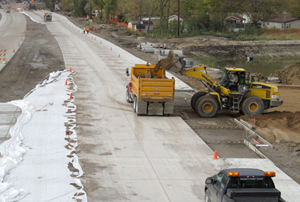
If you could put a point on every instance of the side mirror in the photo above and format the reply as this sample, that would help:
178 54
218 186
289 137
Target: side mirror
209 181
127 71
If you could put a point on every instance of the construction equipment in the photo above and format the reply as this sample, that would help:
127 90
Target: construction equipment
247 97
151 92
47 17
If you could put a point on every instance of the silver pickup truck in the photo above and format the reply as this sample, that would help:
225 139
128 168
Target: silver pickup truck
242 185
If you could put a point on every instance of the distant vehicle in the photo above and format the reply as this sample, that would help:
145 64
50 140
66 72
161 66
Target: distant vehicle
47 17
7 11
241 184
3 2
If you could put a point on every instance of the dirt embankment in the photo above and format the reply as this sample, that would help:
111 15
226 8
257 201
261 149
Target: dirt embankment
203 45
290 75
277 126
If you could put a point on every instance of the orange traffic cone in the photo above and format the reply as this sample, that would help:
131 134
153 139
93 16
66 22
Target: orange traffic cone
66 83
110 48
119 55
70 69
71 96
14 50
215 155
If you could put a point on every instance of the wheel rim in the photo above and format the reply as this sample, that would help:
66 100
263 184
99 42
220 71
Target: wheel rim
253 107
207 107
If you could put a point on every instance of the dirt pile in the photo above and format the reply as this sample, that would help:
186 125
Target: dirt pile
290 75
277 126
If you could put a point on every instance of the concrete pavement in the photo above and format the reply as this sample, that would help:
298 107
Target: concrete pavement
126 157
12 30
8 117
129 157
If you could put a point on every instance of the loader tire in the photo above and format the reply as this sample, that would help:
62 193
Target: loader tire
252 106
128 97
206 106
195 98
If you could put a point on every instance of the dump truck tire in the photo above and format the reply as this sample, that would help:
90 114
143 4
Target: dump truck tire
128 97
206 106
195 98
134 103
137 108
252 106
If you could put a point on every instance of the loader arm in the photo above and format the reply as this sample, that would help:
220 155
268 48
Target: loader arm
196 72
175 64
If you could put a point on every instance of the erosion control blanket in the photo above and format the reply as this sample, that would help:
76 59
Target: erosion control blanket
39 162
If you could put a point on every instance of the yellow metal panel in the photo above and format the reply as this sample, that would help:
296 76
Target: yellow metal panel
156 89
224 91
235 69
216 94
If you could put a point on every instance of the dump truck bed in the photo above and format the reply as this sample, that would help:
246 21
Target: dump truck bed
150 86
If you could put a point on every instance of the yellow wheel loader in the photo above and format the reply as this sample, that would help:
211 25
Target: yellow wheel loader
245 95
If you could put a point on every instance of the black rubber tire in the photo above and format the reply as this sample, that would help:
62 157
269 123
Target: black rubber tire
134 103
206 197
137 108
127 96
207 107
252 106
196 97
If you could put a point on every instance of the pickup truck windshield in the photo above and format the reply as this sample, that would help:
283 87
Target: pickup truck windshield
255 182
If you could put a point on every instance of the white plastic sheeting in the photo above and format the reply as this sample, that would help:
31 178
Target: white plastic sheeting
34 17
12 153
42 149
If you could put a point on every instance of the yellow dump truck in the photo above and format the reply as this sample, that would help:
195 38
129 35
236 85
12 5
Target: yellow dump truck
151 93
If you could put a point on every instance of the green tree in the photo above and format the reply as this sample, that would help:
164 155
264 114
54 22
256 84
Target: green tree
294 7
110 7
99 5
67 5
222 8
163 19
261 9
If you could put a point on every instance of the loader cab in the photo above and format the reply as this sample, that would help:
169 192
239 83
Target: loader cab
229 73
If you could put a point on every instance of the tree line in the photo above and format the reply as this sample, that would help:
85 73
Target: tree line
209 14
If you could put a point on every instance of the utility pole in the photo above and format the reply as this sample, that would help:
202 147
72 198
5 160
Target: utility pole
91 10
178 17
